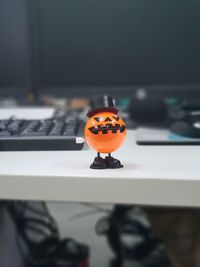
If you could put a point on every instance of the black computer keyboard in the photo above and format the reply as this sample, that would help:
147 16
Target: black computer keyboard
60 133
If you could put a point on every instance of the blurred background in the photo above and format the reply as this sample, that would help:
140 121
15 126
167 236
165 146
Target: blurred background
135 49
145 54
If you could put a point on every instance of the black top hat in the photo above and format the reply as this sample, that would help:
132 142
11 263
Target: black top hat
100 104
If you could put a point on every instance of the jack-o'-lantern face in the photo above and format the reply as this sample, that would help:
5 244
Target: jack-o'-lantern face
105 132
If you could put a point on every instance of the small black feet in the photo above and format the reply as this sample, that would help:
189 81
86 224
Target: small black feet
99 163
107 163
112 163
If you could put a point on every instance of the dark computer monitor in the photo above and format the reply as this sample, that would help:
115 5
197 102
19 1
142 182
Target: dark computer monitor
85 47
15 62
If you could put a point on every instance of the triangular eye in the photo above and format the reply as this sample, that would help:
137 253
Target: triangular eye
116 117
97 119
108 119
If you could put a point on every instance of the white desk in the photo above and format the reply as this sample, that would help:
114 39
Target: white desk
151 175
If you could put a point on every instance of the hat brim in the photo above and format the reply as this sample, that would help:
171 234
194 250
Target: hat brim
106 109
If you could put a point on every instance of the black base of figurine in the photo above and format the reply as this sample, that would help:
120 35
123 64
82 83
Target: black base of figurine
113 163
107 163
99 163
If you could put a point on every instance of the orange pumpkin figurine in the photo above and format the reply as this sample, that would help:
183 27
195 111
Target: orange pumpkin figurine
105 132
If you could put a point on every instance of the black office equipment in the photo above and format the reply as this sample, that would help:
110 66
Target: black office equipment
184 119
178 124
62 133
139 48
15 50
133 48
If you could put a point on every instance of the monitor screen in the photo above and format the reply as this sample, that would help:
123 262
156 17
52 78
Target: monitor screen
14 47
116 44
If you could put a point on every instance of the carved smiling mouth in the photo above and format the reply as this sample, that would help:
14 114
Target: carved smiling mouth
106 128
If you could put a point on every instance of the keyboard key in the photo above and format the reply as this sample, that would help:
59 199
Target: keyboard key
5 134
69 132
57 129
14 126
3 124
31 127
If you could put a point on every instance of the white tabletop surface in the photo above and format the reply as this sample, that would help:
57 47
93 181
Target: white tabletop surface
152 175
